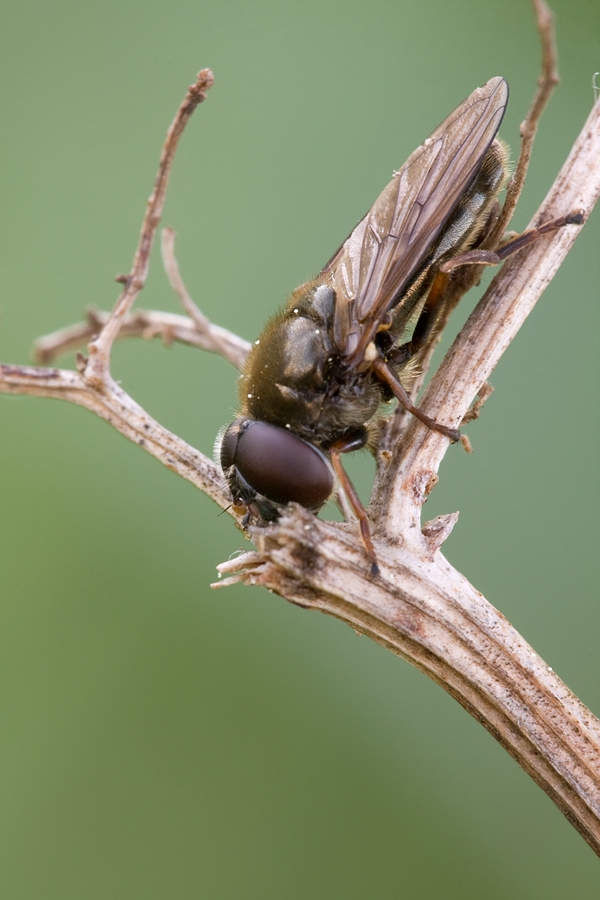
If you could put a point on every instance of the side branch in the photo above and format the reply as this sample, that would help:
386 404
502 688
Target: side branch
229 346
145 324
197 330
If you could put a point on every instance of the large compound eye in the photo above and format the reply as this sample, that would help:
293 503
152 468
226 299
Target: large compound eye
277 464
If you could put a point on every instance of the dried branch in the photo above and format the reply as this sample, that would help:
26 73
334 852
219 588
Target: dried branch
419 607
425 611
93 387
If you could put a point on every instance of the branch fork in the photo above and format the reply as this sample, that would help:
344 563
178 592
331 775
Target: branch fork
419 607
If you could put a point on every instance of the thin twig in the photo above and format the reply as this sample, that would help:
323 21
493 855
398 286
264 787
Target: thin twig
212 334
100 348
547 82
146 324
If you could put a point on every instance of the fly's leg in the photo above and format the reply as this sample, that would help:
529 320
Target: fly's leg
354 441
494 257
386 374
435 299
436 296
425 326
385 369
430 313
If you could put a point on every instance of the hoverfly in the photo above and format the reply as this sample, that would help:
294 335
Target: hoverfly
315 379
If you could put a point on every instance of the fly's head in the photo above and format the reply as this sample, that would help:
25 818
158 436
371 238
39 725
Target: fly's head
268 467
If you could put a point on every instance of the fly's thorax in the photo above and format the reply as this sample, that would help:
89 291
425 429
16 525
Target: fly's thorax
293 376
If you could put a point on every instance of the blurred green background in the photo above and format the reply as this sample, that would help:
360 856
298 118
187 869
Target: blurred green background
158 739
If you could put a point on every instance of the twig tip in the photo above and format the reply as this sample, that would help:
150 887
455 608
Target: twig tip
204 81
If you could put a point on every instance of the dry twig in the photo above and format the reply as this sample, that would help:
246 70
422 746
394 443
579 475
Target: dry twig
146 324
420 607
547 82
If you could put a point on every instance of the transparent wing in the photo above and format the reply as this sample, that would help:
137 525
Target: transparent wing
375 265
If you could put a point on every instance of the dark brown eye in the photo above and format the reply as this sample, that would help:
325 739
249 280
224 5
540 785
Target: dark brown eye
277 464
